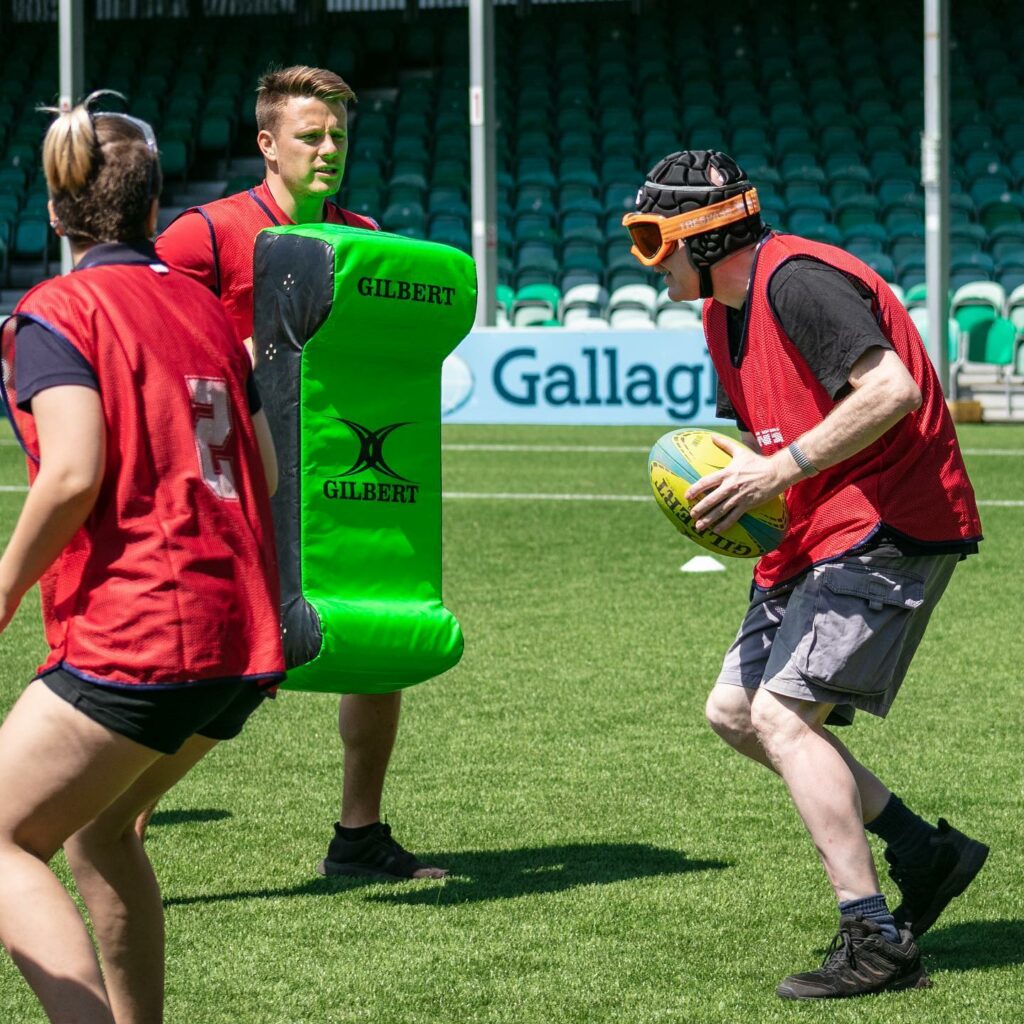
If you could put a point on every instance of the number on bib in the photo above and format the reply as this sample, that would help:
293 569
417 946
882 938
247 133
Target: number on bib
211 410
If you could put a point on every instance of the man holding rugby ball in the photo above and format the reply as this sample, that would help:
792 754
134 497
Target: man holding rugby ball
831 387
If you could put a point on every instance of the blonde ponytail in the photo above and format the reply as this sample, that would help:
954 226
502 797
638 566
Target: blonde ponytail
101 173
70 151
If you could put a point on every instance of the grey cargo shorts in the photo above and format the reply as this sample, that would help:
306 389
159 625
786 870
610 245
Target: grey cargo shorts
843 634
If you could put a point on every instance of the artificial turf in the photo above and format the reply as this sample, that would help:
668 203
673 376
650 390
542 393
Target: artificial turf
612 861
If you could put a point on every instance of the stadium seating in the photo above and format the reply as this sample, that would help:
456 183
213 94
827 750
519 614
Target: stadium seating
825 121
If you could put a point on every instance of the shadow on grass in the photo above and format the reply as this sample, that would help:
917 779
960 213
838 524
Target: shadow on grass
974 945
500 874
187 817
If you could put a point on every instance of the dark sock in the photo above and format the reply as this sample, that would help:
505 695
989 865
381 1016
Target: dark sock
352 834
872 908
905 834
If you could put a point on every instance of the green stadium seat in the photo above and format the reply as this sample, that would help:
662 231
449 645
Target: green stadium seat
12 180
632 306
889 163
975 305
173 158
364 173
916 296
1007 210
1006 239
449 172
821 232
1015 307
856 210
450 201
579 199
32 240
582 303
534 304
989 189
746 114
576 170
578 254
831 112
863 249
990 343
400 217
965 267
582 227
405 194
793 138
869 233
450 231
409 148
536 171
365 201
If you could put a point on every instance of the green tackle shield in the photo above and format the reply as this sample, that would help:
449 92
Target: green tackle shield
350 330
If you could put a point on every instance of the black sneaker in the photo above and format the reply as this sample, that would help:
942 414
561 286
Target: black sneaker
376 855
926 886
860 962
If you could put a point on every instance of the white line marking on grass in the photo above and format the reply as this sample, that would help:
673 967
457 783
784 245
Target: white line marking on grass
473 496
1011 452
545 448
515 496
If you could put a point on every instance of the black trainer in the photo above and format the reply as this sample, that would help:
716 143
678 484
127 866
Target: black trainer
926 886
860 962
376 855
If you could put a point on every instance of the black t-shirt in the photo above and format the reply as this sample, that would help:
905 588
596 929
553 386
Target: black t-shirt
828 317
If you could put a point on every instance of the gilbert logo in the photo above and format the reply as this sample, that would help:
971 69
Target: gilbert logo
371 458
405 291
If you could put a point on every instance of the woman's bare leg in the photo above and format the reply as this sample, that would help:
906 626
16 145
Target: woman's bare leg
58 771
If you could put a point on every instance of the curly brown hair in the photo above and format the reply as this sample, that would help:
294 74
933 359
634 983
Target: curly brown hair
101 174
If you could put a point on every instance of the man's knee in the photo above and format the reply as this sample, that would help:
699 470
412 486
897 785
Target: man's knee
778 721
728 713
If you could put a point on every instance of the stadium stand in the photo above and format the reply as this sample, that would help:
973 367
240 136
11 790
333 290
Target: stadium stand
825 120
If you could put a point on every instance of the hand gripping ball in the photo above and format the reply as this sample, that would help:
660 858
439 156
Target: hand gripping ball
677 461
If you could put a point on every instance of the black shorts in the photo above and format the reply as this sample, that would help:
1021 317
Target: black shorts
163 719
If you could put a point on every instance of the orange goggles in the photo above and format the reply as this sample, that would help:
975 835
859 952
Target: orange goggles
653 234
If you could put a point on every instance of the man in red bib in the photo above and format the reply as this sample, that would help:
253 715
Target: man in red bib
830 386
302 119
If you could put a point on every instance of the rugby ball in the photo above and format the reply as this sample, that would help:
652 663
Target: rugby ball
677 461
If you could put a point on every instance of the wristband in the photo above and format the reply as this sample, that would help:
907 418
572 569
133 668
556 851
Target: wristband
805 464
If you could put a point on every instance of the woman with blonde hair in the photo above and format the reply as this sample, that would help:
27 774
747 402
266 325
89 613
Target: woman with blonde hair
146 526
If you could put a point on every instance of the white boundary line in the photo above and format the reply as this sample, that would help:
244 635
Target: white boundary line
8 442
548 496
1010 452
516 496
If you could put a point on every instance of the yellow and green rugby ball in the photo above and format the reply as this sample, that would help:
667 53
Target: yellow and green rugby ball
677 461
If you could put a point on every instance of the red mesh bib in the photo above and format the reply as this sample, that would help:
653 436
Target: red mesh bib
234 224
173 576
911 479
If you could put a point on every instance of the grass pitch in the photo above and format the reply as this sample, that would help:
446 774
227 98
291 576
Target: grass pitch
612 860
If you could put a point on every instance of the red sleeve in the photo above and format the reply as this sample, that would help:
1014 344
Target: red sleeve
186 246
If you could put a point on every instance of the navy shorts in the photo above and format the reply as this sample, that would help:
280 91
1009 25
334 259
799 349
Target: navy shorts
162 719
